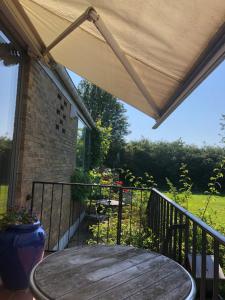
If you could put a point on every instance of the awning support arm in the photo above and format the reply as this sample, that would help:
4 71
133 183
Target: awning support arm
123 59
91 15
74 25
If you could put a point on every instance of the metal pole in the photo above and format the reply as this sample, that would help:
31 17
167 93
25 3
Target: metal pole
119 217
68 30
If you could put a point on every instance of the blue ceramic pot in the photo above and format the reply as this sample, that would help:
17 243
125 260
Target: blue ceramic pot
21 247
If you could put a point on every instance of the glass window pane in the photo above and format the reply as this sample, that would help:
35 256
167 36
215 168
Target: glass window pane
8 90
80 150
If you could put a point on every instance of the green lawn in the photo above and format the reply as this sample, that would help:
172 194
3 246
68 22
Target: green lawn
3 198
198 201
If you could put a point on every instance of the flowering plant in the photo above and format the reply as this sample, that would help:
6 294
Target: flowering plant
17 216
118 182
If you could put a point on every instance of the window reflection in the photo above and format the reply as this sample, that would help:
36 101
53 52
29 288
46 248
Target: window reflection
80 147
8 90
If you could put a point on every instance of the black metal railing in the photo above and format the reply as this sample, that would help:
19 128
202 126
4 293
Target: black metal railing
76 213
115 214
191 242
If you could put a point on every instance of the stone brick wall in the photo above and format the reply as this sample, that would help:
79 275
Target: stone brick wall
47 151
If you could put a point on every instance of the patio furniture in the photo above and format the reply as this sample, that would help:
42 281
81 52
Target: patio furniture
110 272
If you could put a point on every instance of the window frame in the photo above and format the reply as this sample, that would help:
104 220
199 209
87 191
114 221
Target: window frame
17 128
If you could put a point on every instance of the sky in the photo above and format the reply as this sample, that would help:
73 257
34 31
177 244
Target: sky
8 89
195 121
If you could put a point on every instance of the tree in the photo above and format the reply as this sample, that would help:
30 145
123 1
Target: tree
163 159
106 108
100 143
5 157
222 124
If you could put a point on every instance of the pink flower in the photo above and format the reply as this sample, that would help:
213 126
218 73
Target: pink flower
119 182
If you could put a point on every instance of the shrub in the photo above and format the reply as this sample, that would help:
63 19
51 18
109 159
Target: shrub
80 193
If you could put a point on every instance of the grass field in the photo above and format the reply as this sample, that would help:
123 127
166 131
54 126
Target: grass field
3 198
197 201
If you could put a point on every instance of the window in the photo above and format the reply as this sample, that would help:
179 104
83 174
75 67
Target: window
8 83
82 145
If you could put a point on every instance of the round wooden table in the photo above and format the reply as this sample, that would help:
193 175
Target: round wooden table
110 272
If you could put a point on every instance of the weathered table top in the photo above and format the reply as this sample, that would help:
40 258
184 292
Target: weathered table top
110 272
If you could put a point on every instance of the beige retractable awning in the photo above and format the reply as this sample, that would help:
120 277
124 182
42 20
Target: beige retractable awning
149 53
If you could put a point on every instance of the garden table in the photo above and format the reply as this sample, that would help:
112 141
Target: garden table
110 272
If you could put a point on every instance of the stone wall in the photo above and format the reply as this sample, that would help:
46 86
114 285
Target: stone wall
47 150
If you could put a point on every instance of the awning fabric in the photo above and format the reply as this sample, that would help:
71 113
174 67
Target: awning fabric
172 45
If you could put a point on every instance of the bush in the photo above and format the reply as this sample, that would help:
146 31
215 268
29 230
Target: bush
80 193
163 159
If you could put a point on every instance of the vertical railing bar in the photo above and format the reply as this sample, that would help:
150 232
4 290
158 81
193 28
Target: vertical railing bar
167 226
32 198
151 212
216 270
119 220
203 267
42 201
60 215
194 241
108 210
186 242
78 228
158 221
180 237
140 213
164 219
50 221
131 213
171 224
98 214
161 220
70 217
175 236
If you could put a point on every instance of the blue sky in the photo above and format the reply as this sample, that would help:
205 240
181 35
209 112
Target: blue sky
195 121
8 80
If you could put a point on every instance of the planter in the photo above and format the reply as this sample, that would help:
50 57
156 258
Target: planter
21 247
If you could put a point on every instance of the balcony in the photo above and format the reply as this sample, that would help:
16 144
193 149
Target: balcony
140 217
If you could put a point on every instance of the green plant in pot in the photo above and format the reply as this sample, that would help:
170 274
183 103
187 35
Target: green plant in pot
21 246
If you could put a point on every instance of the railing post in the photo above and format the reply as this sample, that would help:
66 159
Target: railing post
32 198
119 220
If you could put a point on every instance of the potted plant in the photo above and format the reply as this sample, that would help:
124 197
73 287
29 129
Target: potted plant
21 246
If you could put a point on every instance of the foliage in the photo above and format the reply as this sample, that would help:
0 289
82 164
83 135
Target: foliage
222 125
17 216
5 157
163 159
3 199
100 144
182 194
5 144
147 181
105 107
132 233
213 189
103 176
80 193
134 229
